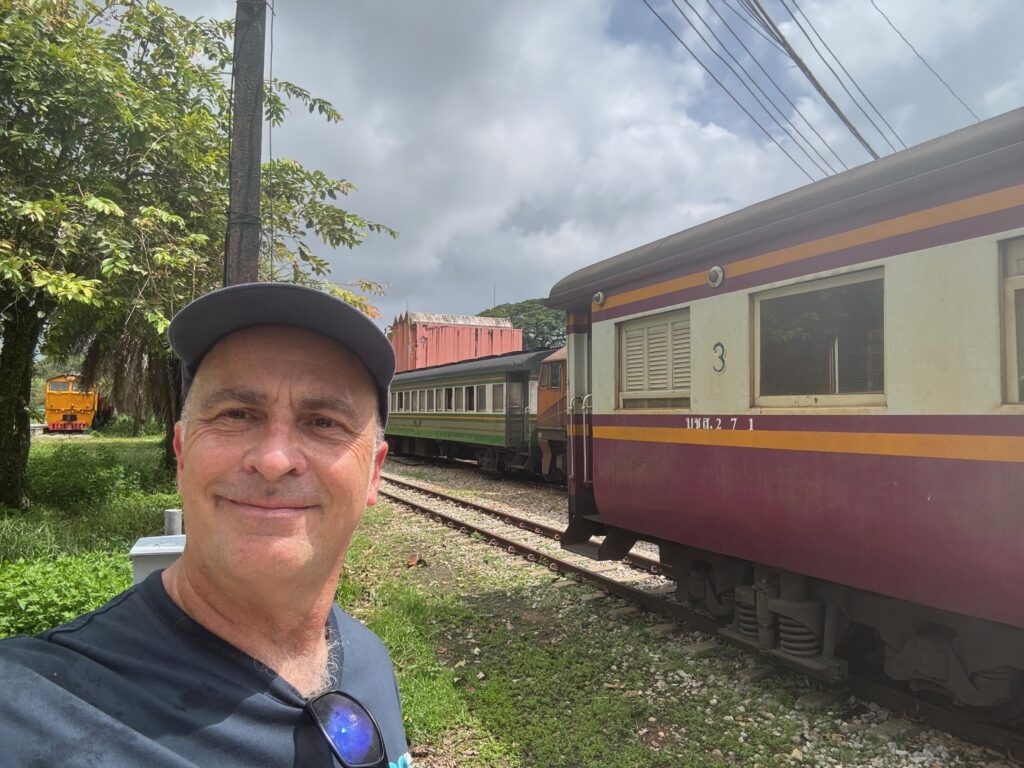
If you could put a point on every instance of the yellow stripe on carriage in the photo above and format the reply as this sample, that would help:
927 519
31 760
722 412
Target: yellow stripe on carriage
990 202
1002 448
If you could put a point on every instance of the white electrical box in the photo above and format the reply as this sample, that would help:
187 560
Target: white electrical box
151 553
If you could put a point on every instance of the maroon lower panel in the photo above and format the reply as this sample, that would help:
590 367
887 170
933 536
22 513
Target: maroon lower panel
944 533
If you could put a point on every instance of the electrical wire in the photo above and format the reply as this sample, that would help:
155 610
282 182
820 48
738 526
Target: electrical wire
847 73
760 15
937 75
757 28
835 74
772 79
728 92
740 68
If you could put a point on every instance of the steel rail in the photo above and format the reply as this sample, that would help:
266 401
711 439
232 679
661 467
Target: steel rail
636 561
557 564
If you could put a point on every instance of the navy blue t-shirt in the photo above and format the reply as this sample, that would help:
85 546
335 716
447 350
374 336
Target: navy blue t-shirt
139 683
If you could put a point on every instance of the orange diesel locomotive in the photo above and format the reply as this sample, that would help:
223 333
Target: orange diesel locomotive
69 408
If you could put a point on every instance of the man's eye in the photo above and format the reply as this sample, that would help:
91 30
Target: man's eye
235 414
323 422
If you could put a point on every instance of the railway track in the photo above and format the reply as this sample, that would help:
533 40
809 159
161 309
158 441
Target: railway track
647 583
471 466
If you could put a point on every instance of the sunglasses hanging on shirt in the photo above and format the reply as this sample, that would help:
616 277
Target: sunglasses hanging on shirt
350 729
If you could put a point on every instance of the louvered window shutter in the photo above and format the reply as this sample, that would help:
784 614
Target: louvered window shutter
681 354
634 362
655 361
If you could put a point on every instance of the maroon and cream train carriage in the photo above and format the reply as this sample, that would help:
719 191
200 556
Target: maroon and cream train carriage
815 406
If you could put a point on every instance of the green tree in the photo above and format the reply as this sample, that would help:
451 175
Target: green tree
542 326
113 196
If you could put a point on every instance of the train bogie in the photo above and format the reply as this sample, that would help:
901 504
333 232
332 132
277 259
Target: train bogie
815 407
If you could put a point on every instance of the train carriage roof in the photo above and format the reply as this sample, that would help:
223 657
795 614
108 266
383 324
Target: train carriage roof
511 361
829 198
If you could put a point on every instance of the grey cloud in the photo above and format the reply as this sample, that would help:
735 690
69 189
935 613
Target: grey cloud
512 143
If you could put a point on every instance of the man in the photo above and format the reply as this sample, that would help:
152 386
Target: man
236 654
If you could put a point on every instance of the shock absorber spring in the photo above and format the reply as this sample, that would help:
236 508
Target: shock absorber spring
796 639
747 617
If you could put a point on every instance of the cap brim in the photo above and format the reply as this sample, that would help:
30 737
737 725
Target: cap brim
200 325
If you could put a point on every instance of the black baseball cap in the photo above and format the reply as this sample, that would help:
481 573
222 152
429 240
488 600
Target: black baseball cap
200 325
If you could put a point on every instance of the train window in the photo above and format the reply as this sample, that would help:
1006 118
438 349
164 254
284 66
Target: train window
1013 308
75 387
481 399
821 340
449 399
439 398
498 398
654 361
470 400
414 400
59 386
556 375
430 400
458 398
545 377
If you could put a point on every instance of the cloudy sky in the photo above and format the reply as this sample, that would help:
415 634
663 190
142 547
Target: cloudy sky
511 143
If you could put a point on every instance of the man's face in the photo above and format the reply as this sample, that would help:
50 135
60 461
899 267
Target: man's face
277 460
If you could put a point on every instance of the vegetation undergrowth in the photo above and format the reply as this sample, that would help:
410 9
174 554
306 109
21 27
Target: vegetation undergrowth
92 499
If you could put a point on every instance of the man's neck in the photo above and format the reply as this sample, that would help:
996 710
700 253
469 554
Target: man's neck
285 634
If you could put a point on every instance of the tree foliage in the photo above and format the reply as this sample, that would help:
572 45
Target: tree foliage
113 198
542 326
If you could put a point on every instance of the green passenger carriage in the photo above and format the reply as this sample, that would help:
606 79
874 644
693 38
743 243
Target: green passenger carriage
483 409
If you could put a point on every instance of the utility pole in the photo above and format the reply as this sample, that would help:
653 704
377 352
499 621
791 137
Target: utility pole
242 241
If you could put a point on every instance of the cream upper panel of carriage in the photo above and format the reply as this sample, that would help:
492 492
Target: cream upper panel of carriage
926 332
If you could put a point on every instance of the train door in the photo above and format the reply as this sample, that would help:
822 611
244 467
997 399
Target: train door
584 519
580 401
516 394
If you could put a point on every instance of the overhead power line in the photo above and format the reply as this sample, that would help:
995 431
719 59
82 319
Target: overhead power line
722 86
835 74
761 16
847 73
767 75
746 20
736 70
937 75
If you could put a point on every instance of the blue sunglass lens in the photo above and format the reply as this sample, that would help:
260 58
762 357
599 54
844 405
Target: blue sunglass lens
350 729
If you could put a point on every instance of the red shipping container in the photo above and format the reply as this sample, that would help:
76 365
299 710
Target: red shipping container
422 340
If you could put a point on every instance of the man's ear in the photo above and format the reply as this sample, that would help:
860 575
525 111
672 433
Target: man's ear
179 436
378 464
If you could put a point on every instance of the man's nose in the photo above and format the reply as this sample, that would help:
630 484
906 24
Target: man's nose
277 451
